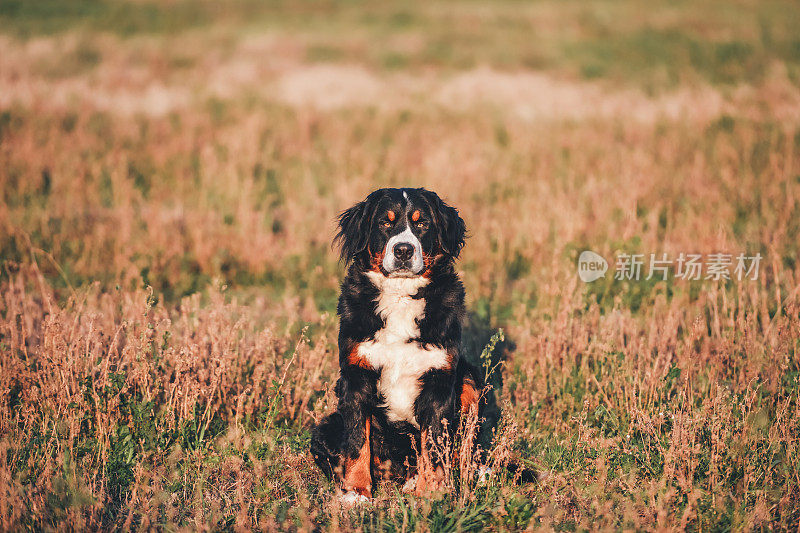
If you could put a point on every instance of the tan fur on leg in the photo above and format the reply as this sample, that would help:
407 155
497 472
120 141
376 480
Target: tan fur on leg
357 472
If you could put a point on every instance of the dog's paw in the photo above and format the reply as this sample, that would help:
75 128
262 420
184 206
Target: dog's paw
352 498
430 481
410 485
484 473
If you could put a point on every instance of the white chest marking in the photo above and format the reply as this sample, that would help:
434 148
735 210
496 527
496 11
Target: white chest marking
400 362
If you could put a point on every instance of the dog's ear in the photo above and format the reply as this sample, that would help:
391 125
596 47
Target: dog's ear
451 228
353 235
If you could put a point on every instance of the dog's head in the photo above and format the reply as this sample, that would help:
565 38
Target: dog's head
400 232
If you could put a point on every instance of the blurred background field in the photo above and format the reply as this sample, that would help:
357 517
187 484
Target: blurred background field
170 173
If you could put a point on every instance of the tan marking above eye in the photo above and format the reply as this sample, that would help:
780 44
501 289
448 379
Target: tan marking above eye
391 215
415 215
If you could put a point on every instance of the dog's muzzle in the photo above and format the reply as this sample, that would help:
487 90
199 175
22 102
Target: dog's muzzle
403 255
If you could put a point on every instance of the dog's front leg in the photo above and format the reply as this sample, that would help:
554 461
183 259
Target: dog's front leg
356 392
358 468
434 410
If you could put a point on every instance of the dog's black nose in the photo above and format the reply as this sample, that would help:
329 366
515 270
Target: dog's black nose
403 251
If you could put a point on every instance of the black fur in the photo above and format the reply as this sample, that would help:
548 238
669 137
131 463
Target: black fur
364 230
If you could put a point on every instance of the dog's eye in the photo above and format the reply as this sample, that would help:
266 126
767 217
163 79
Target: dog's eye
386 223
420 224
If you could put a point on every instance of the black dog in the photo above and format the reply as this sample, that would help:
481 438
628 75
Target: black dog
403 385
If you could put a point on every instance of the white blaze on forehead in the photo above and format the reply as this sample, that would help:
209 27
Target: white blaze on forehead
408 237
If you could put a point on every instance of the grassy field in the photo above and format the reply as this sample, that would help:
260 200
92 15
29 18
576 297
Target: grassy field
170 174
